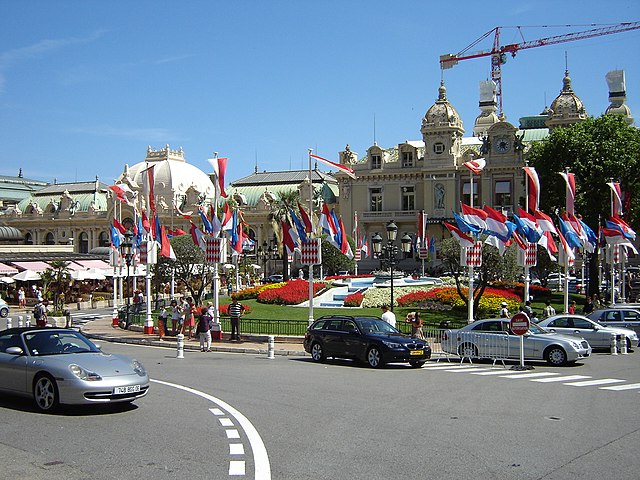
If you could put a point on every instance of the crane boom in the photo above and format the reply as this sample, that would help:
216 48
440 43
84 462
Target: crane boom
498 52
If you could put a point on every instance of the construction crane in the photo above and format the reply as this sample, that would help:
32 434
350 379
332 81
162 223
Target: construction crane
499 53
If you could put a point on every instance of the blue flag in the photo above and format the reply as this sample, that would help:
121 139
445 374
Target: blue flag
465 226
572 238
532 235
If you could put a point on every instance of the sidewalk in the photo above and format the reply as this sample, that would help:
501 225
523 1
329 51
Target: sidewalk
101 329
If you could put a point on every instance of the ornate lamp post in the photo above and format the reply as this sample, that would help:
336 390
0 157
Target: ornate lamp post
263 252
126 249
388 253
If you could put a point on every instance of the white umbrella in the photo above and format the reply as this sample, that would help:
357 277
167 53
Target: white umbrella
26 276
6 280
89 274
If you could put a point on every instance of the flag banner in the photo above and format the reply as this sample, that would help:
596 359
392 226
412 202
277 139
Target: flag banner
622 226
115 259
337 166
534 188
215 249
198 237
545 222
121 228
465 226
616 198
528 257
300 228
423 253
357 256
527 226
591 242
227 218
496 242
123 192
219 165
312 252
568 235
471 256
345 248
463 239
148 252
205 221
308 226
475 216
476 166
570 180
616 237
421 232
151 196
566 254
186 215
364 247
549 245
287 238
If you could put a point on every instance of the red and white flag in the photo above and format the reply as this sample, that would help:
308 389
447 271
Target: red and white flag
123 192
198 237
549 245
545 222
308 227
463 239
219 165
616 237
345 248
337 166
570 179
616 199
287 237
151 196
475 216
533 187
476 166
227 218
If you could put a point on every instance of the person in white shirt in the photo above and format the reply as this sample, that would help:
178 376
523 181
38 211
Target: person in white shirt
504 311
388 316
548 311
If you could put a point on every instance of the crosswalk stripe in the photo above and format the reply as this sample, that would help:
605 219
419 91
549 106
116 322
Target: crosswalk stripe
628 386
532 375
589 383
444 367
560 379
470 369
496 372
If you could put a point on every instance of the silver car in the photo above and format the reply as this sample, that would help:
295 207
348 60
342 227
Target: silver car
618 316
58 366
494 339
597 335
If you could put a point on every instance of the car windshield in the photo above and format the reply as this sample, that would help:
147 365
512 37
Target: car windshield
375 325
537 329
45 342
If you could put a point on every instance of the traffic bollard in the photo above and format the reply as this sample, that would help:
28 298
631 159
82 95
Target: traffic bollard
27 323
614 344
622 341
271 349
180 352
20 321
8 322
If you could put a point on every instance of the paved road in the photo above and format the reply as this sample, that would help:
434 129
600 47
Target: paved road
341 421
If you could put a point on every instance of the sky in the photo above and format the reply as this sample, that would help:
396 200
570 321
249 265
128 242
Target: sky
86 86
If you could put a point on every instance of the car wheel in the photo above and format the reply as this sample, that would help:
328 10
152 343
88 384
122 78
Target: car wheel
629 345
45 393
467 350
4 313
317 352
556 356
417 363
374 357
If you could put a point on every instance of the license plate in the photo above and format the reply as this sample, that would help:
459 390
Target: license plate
416 352
128 389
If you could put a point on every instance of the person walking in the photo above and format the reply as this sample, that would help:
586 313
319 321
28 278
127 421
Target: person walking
40 314
504 311
572 307
22 298
204 330
235 312
176 312
388 316
190 312
588 306
416 325
548 310
162 323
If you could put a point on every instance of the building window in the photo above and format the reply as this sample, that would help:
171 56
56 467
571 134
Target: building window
376 161
466 198
49 240
438 148
84 243
408 198
407 159
28 239
103 240
376 199
503 195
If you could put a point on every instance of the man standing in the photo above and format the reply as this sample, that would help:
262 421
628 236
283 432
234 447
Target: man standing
388 316
235 311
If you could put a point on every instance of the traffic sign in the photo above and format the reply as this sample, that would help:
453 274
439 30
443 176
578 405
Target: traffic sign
520 323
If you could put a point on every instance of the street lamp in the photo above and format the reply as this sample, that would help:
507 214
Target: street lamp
388 253
263 251
126 249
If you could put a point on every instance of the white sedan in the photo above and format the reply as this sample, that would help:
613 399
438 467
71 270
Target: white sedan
597 335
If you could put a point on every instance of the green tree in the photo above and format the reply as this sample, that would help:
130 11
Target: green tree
333 260
54 280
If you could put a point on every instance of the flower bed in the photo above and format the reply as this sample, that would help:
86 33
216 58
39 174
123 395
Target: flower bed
253 292
354 300
224 309
289 293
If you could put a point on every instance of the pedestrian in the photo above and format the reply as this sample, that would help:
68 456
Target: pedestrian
204 330
572 307
229 288
176 312
548 310
235 312
162 322
388 316
416 324
527 308
588 306
22 298
504 311
40 314
39 295
190 312
597 303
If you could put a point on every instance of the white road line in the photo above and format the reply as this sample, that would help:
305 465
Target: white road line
531 375
560 379
232 433
216 411
236 449
236 467
226 422
467 370
261 463
445 367
501 371
628 386
590 383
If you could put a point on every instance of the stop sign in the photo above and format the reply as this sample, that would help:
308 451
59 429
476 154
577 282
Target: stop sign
520 323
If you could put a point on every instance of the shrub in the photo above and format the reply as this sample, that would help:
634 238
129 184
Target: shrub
354 300
253 292
289 293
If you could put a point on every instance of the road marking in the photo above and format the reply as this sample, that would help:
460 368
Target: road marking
531 375
560 379
232 433
501 371
628 386
445 367
226 422
236 467
236 449
470 369
262 467
590 383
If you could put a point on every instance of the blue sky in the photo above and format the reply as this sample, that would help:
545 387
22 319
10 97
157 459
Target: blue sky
85 86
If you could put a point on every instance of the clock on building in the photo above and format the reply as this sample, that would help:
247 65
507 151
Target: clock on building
501 144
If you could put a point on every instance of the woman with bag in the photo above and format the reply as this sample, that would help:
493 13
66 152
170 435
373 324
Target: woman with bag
204 329
416 325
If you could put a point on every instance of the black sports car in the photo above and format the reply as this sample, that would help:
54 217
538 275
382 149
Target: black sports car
369 339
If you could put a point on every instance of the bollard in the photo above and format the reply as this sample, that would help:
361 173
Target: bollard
68 321
8 322
20 321
27 323
614 346
180 352
270 351
622 341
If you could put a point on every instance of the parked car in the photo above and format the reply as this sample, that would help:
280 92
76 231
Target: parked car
4 309
597 335
618 316
368 339
59 366
274 279
493 338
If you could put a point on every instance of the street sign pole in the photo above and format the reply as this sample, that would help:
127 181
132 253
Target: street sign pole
520 326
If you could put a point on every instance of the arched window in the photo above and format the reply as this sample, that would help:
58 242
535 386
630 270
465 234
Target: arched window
83 244
49 240
28 239
103 240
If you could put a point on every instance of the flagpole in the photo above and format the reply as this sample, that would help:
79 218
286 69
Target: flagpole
527 278
613 251
355 226
470 301
569 209
310 235
115 257
216 276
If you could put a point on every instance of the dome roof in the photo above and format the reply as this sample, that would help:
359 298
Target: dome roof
441 114
172 175
567 108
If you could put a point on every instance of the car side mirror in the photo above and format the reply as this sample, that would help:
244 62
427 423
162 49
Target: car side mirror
14 351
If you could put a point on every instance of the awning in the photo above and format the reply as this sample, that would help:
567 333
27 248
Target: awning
7 270
93 264
38 267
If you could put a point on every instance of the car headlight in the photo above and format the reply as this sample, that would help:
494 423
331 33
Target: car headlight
576 345
138 368
83 374
393 345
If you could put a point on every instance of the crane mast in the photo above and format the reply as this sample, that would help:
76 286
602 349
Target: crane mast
498 53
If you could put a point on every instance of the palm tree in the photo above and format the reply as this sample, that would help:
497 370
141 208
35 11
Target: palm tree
279 213
56 276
